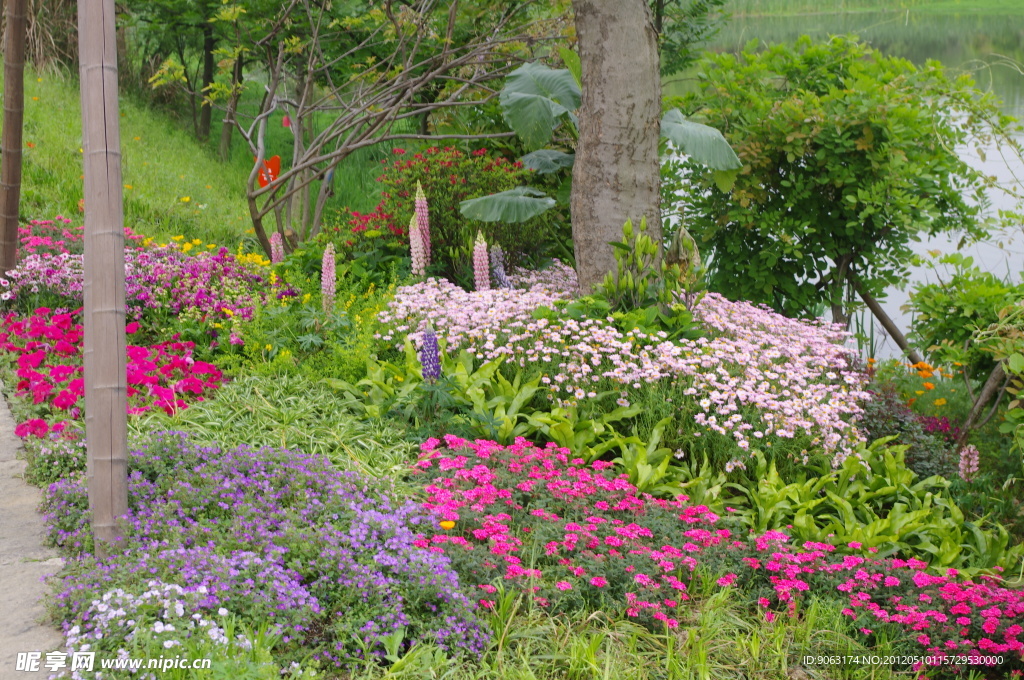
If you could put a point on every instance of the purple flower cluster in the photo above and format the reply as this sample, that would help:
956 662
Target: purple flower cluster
272 536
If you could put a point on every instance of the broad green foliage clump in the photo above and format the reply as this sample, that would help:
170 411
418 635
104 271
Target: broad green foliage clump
848 156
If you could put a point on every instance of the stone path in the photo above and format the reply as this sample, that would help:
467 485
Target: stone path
23 562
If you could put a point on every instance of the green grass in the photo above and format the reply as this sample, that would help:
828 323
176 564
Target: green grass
162 167
718 639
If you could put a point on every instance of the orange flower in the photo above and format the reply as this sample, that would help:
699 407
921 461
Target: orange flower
925 374
447 524
929 386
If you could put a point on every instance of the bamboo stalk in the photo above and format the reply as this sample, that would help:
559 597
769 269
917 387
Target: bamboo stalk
106 427
11 143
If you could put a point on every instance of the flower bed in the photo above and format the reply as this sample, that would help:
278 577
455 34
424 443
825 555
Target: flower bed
575 537
796 375
48 347
269 536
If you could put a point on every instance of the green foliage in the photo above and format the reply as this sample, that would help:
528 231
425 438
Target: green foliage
638 295
886 414
289 412
947 314
849 157
539 101
875 500
449 177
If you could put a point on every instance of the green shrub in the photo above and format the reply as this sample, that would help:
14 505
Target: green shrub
448 177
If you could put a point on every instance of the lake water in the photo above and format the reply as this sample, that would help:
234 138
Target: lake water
985 45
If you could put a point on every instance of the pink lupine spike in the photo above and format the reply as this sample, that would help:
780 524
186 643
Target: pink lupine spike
423 219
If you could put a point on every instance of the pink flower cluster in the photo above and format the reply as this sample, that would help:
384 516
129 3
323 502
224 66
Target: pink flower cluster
759 375
48 346
500 503
209 284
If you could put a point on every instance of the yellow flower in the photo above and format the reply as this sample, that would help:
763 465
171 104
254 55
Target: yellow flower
211 246
208 186
179 237
919 392
129 187
186 199
187 247
35 99
137 138
197 242
227 311
940 402
268 347
305 298
447 524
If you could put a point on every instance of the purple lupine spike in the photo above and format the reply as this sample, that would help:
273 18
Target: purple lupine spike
480 269
276 248
430 355
419 257
327 279
498 267
423 220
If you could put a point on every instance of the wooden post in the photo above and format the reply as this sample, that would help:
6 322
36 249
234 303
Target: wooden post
106 426
14 111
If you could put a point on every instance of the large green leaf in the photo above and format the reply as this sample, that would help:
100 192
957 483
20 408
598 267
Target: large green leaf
534 99
512 206
701 142
546 161
572 62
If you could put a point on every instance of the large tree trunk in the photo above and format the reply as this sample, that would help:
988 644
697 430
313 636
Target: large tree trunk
616 175
14 110
106 424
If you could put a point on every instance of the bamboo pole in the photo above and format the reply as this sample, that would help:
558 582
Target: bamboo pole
104 354
14 113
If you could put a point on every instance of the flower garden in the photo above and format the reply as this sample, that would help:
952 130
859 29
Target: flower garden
383 455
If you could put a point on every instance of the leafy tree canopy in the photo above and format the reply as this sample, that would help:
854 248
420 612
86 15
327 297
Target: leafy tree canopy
848 156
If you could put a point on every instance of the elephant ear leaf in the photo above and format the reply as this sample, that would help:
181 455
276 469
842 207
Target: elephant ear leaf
535 98
512 206
702 143
572 62
546 161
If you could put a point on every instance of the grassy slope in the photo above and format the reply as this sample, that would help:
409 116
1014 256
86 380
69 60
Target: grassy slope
172 184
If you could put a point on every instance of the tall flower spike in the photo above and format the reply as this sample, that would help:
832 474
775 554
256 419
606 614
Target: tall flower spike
969 462
423 219
430 355
419 257
480 269
276 248
498 267
327 279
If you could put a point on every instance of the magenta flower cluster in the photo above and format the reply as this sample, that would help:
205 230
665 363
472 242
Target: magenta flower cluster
571 535
48 347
